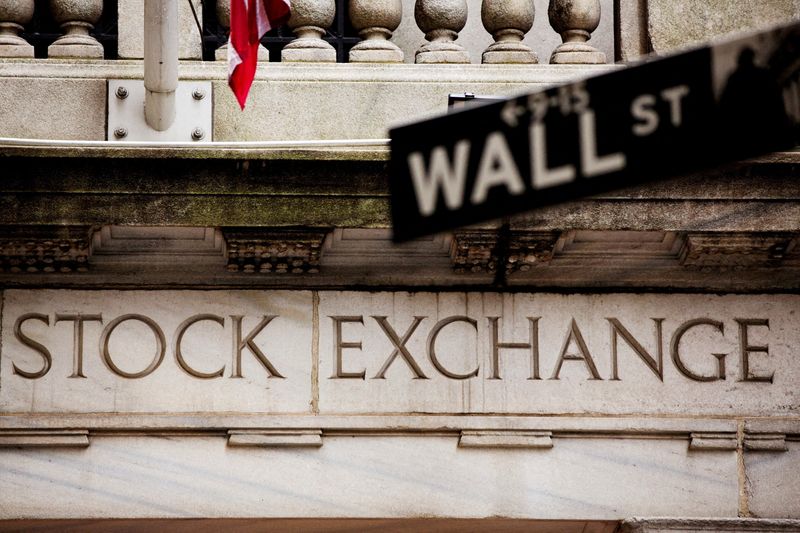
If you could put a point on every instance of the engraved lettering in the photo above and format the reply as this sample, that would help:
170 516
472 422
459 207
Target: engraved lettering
674 347
160 346
432 346
655 365
339 345
532 345
745 349
574 335
399 347
77 339
33 345
179 333
248 342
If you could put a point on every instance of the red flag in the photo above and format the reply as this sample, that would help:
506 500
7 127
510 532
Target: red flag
250 20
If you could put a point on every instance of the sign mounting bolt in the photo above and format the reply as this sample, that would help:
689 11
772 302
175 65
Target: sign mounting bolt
122 93
198 94
120 133
198 134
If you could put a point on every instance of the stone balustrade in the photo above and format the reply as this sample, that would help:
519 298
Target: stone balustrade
375 21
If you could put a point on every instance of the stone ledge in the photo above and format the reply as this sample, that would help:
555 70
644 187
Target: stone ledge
734 525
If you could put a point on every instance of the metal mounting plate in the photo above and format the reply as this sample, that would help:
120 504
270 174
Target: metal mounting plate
193 113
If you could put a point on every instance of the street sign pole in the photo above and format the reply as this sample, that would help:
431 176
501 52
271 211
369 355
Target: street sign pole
667 116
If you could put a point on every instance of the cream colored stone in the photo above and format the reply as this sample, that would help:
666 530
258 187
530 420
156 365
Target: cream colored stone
375 22
367 476
133 348
362 101
77 19
440 21
53 108
131 30
14 15
575 20
773 488
475 39
679 24
465 350
309 21
508 22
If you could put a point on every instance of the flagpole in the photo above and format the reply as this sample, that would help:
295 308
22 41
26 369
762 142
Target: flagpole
160 62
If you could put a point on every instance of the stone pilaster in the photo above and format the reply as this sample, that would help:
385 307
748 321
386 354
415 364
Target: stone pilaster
309 21
224 18
376 21
44 249
508 21
77 18
274 251
575 20
441 21
14 14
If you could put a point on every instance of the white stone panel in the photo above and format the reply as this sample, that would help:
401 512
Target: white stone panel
367 476
206 347
462 348
773 482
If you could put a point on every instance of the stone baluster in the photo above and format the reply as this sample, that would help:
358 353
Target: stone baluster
375 21
14 14
309 21
441 20
224 20
575 20
77 18
508 21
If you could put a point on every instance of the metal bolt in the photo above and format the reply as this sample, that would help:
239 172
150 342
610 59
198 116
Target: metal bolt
198 94
122 93
198 134
120 133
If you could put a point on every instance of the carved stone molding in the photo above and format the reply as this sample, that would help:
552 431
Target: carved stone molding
279 251
736 251
476 251
528 249
44 249
473 251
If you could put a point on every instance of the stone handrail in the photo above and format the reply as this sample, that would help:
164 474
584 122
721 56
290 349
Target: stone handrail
507 21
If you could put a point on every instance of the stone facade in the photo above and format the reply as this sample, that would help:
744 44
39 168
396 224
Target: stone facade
226 330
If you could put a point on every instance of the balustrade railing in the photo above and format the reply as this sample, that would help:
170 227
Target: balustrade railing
358 31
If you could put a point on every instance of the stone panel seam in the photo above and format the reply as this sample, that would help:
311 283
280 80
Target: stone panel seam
744 504
315 352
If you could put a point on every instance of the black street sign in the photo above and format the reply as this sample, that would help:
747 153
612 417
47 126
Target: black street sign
665 116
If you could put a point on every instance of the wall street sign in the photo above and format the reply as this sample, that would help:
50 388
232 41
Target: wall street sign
666 116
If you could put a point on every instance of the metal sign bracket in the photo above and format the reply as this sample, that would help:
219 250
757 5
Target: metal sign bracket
193 113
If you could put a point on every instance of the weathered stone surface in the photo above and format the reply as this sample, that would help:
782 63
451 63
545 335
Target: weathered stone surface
441 21
771 493
575 20
309 21
689 525
376 20
14 15
131 30
508 22
678 24
77 18
53 109
384 353
465 378
475 39
208 380
367 476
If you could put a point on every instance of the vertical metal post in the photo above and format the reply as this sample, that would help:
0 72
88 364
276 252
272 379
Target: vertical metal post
160 62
